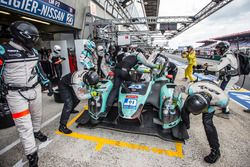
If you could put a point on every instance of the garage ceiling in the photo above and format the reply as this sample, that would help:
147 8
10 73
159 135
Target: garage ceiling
152 9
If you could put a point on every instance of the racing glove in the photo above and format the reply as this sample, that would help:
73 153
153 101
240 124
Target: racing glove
51 91
205 66
146 70
159 66
94 93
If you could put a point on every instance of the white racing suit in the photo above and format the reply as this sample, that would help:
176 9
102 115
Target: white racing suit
56 61
79 86
72 90
219 100
87 60
228 72
20 71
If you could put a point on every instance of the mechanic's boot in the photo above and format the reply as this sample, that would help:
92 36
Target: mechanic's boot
196 80
74 112
224 114
213 156
40 136
247 111
33 159
64 129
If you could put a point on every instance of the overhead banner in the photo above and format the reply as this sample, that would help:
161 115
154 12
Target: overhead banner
124 40
48 9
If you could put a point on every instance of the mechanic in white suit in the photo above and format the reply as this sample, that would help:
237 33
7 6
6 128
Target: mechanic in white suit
227 68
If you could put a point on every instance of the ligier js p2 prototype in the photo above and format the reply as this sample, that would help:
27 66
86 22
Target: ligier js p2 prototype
145 107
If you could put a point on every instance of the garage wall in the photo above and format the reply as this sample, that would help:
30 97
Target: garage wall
68 37
101 13
80 6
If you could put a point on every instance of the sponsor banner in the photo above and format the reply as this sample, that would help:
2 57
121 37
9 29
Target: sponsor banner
53 10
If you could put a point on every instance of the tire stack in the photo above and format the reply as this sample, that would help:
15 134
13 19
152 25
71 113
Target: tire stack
57 96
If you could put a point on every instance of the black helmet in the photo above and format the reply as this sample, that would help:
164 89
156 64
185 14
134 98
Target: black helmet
198 102
190 47
112 48
140 50
91 78
222 47
25 33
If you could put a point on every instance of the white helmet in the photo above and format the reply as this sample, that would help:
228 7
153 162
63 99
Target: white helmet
100 48
57 49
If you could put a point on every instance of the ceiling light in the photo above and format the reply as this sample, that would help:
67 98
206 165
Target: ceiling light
2 12
35 20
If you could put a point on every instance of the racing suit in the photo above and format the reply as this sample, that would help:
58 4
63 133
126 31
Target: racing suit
72 90
87 60
21 72
56 60
228 72
120 56
191 57
99 62
219 100
122 73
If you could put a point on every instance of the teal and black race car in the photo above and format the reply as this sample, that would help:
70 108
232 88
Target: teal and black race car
146 107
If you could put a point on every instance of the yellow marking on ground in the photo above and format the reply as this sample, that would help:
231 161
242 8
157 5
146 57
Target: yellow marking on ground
239 90
86 107
76 117
101 142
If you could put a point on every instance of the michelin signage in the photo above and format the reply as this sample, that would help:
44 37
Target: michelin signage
48 9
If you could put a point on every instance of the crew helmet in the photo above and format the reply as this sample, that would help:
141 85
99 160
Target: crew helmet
198 102
222 47
57 49
91 78
25 33
90 46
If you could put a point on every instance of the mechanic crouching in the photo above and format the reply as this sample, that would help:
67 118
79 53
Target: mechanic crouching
21 72
204 97
122 73
73 88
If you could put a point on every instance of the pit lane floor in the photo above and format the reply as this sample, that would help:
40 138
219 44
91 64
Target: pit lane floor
99 147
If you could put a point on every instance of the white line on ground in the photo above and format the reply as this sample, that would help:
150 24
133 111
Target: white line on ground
20 163
239 103
7 148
